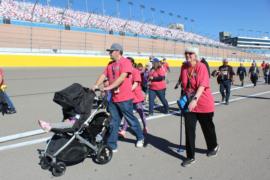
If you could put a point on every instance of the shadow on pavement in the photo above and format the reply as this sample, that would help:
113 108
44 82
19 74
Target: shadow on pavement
164 146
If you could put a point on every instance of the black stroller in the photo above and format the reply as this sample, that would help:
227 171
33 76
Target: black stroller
86 138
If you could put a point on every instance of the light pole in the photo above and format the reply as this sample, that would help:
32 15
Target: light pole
48 2
171 15
142 7
191 24
130 3
31 28
153 10
103 7
162 12
118 8
69 3
186 19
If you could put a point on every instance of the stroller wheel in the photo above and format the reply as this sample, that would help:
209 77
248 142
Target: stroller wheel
44 163
59 169
104 155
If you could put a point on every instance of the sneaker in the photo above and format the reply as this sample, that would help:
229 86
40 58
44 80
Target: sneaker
227 102
187 162
140 143
115 150
11 111
223 99
150 114
214 152
122 133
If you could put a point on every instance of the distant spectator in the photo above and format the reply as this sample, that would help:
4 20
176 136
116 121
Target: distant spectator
225 75
254 73
242 73
266 73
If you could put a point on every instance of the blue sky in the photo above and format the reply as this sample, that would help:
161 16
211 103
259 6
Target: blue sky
240 17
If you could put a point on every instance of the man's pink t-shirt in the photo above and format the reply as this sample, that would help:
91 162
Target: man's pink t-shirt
157 85
113 71
198 77
138 94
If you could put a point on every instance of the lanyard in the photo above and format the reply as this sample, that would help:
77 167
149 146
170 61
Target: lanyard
189 76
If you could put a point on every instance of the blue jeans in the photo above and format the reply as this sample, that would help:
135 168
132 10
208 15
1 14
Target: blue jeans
161 95
8 100
225 86
117 111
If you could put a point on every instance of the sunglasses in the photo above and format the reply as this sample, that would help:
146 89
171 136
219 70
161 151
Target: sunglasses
189 53
110 52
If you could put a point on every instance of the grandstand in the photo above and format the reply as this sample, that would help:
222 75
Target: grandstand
249 42
28 27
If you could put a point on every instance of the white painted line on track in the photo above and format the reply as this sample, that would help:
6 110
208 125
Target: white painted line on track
246 97
21 135
26 143
40 131
37 141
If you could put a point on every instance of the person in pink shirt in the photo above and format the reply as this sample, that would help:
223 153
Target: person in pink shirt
157 86
196 87
138 98
119 74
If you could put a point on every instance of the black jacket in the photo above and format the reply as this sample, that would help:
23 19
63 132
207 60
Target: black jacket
225 72
241 71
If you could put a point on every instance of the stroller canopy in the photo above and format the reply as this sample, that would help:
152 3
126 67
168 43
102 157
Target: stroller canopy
75 99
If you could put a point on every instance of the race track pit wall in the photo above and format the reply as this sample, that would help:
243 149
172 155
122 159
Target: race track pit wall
67 60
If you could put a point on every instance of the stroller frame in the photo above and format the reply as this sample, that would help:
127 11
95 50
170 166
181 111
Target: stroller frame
58 168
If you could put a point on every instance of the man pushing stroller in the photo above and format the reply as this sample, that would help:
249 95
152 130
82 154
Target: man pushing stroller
118 73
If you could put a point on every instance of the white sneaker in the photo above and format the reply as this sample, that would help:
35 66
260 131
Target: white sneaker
140 143
115 150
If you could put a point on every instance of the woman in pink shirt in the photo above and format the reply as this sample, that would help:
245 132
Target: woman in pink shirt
157 86
138 98
195 85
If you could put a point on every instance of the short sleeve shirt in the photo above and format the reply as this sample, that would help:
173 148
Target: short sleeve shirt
198 76
112 72
157 85
138 94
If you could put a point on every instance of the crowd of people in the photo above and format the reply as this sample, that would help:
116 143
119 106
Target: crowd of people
129 86
225 76
25 11
123 76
